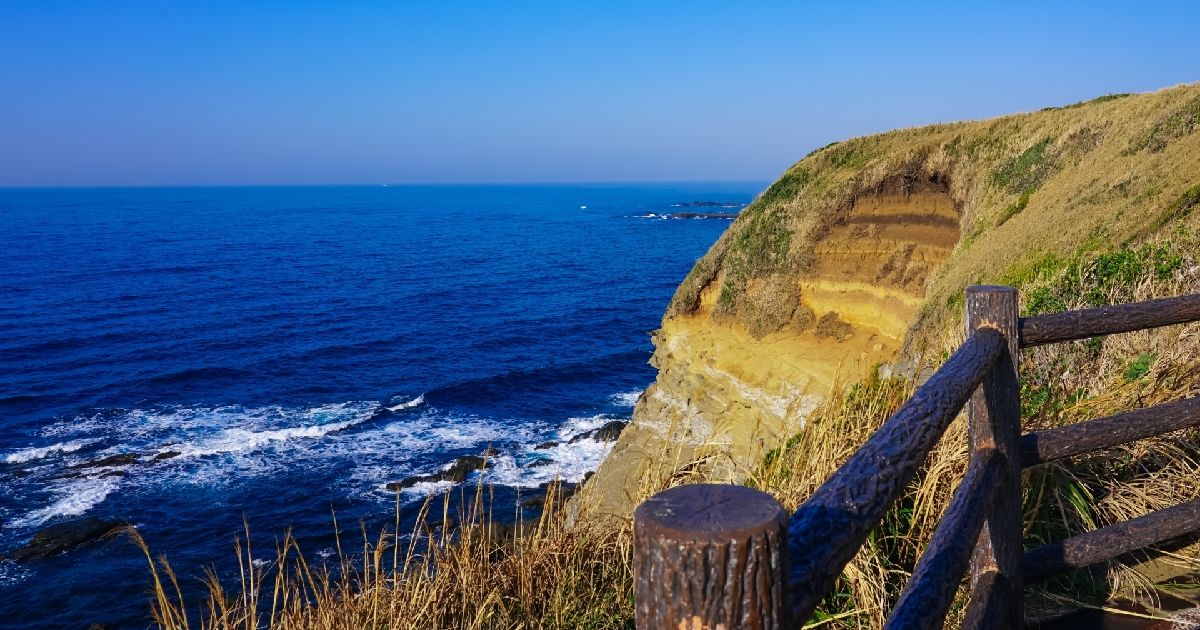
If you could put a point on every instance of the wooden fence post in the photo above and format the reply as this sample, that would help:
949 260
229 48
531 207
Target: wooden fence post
709 557
995 422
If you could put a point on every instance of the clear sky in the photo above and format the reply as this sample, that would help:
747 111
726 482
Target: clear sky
307 92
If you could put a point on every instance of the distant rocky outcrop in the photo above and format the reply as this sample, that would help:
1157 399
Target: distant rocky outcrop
703 215
707 204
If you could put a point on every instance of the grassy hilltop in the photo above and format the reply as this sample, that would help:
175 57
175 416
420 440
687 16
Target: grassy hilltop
799 332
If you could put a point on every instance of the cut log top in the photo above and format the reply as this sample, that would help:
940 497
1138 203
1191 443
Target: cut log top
707 512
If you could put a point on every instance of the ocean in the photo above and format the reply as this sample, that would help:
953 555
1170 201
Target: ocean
277 355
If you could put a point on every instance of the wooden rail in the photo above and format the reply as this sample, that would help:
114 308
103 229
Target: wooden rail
720 556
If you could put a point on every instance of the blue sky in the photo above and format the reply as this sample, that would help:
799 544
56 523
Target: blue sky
296 92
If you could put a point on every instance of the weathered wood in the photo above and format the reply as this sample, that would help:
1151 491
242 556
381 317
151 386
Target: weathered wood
827 530
1109 542
930 591
989 598
1051 444
710 556
1107 320
995 423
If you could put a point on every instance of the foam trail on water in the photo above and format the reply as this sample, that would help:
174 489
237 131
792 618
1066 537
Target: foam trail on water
416 402
237 440
30 454
79 498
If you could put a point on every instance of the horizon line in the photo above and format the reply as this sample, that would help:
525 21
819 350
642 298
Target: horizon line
384 184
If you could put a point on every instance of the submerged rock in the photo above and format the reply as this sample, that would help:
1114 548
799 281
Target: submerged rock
607 433
545 445
124 459
64 537
457 472
165 455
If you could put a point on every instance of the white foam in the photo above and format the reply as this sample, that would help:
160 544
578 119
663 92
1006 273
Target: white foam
575 426
626 399
79 497
422 489
30 454
412 404
242 440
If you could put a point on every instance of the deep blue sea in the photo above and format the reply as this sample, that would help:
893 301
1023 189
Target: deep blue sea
296 349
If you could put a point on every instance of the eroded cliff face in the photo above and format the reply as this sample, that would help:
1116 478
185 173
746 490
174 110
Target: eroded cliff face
865 246
725 396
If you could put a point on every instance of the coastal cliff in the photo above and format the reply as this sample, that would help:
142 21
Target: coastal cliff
857 257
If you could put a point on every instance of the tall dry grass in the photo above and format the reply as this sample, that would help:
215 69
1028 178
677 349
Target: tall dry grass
576 573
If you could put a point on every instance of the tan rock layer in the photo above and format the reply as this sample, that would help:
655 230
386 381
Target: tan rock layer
726 397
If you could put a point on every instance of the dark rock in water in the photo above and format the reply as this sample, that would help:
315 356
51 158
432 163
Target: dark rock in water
703 215
545 445
534 501
63 537
123 459
538 463
114 473
434 521
607 433
165 455
508 532
707 204
564 489
490 452
456 472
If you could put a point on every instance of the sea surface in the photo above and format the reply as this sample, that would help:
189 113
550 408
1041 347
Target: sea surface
274 356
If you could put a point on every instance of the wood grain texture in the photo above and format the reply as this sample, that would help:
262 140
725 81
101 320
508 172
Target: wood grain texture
710 556
995 423
1107 320
1051 444
1109 542
827 530
927 596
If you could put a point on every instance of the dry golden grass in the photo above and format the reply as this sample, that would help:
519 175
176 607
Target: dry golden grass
561 575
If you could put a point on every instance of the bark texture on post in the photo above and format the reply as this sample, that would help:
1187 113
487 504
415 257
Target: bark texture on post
710 556
995 423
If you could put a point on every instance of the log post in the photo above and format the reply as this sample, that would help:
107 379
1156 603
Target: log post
995 422
709 557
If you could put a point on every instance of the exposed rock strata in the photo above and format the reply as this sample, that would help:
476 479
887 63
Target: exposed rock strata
726 396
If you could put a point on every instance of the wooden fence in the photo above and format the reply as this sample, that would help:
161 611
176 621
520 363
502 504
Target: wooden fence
721 556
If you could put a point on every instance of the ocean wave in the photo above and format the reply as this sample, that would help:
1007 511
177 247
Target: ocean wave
41 452
412 404
626 399
77 498
576 426
422 489
519 466
242 440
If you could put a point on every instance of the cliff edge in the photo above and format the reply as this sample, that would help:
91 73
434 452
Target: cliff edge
862 249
